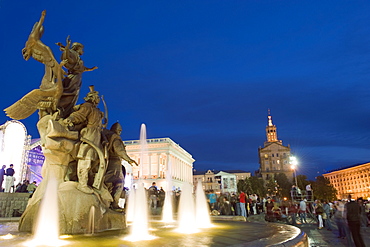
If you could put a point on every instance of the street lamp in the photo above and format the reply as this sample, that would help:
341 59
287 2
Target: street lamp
294 163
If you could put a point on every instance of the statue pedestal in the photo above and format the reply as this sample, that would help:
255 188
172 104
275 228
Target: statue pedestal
74 212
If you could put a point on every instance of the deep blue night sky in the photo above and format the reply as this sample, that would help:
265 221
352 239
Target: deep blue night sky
205 73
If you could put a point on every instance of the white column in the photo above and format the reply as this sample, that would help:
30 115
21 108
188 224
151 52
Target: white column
158 164
150 165
180 170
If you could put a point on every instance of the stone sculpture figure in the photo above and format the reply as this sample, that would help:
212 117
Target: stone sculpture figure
114 177
89 114
69 135
46 98
72 82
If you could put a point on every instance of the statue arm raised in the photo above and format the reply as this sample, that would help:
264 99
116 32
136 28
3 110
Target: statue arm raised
91 69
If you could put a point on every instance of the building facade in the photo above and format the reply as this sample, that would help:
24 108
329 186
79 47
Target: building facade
208 180
220 181
353 180
163 156
164 162
274 157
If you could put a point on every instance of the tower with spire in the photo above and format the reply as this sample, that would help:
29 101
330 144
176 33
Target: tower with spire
271 134
274 156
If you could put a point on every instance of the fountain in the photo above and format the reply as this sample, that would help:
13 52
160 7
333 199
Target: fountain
91 225
130 205
186 215
167 212
80 201
47 227
139 226
202 213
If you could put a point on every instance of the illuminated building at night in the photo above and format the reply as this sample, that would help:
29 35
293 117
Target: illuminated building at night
274 156
220 181
353 180
163 156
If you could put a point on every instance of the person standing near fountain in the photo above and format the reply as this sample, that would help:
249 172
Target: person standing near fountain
242 200
9 179
2 174
115 177
153 194
90 115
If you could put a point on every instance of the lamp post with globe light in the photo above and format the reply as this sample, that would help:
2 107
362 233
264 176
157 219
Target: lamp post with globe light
294 163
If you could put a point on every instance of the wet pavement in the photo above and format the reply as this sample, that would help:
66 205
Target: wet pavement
255 232
224 232
322 237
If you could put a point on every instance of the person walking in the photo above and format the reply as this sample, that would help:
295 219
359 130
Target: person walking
354 221
327 215
9 179
319 212
339 219
269 205
2 174
302 211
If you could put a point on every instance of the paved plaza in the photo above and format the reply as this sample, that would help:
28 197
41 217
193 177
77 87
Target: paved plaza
255 232
323 237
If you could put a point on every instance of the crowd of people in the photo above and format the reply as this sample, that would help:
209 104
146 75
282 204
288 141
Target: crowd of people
234 203
348 215
7 180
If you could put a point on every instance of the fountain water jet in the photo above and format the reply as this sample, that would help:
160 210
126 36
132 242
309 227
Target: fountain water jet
186 215
202 214
139 226
167 212
130 204
47 224
91 225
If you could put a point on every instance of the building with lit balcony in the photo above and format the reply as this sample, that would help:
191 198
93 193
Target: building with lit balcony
353 180
274 157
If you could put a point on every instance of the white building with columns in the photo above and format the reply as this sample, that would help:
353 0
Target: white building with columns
163 156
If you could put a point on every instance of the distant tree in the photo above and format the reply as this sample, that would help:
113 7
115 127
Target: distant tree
257 186
242 185
271 187
302 181
323 189
284 185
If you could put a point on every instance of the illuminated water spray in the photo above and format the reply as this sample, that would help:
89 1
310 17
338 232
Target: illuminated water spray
139 227
186 215
167 212
202 214
46 231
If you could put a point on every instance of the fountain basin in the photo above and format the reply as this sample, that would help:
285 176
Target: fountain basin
224 233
